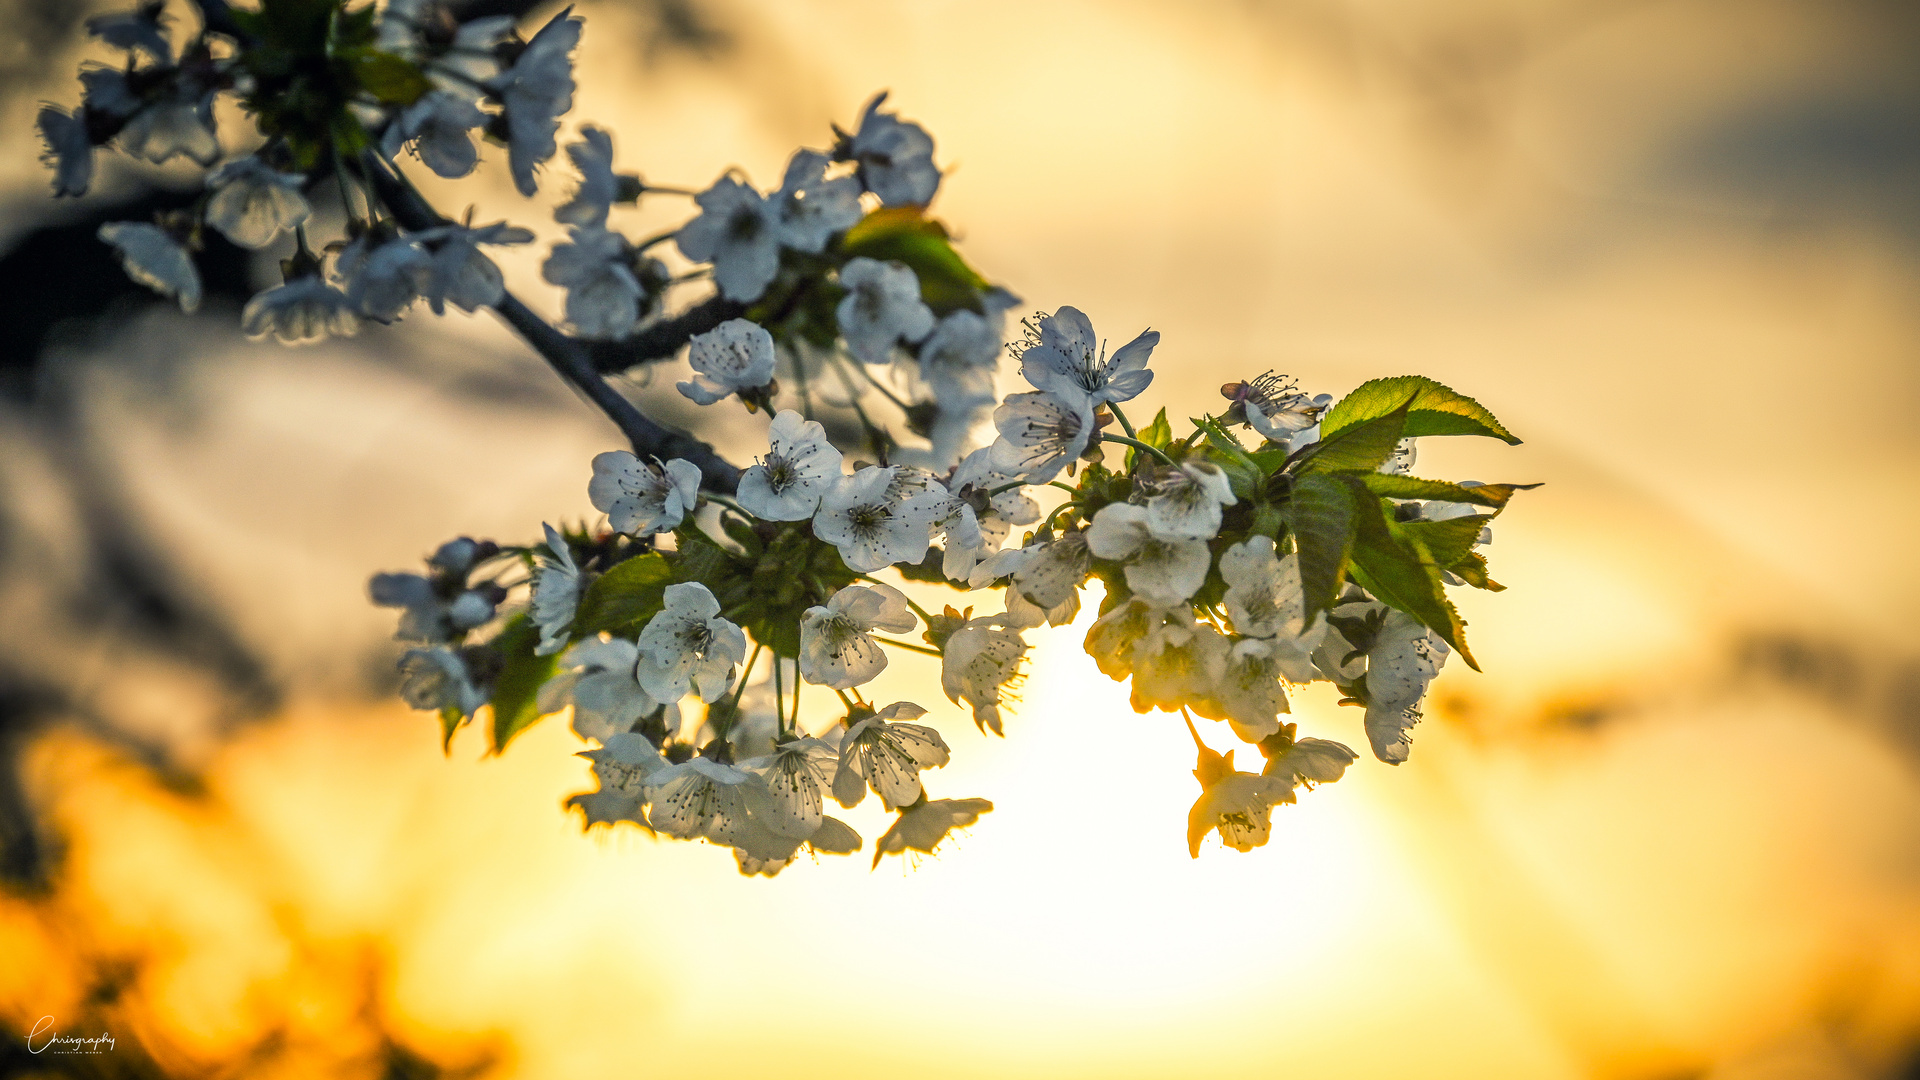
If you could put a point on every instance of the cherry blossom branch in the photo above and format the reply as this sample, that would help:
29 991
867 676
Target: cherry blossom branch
664 339
569 357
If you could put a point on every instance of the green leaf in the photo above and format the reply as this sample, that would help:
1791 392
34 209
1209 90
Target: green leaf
630 593
1361 448
1396 567
1321 515
451 720
521 673
1433 409
1447 541
1390 486
699 558
906 234
1473 570
1158 435
392 79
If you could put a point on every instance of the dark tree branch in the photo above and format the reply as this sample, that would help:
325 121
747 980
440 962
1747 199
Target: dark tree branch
662 340
570 357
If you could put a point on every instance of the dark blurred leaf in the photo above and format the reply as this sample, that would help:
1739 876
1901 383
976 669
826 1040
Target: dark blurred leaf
521 673
390 78
1321 515
628 594
906 234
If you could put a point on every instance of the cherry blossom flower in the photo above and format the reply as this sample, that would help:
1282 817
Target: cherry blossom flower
179 124
1041 432
739 232
1163 572
302 311
104 91
687 645
1240 805
536 90
800 467
888 756
460 273
643 498
700 797
1264 600
1248 694
383 277
556 593
597 677
1113 638
604 297
69 150
252 204
598 190
1067 355
1310 761
760 850
980 664
1046 581
439 127
996 507
812 208
922 826
958 358
735 357
895 157
882 307
872 527
1404 657
622 766
151 256
143 28
437 678
835 648
434 610
796 779
1189 501
1177 664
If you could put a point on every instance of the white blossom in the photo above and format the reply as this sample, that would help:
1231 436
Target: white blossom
1113 639
1069 355
1189 501
733 357
871 526
797 777
69 150
980 663
253 204
994 514
179 124
1248 694
1400 462
1041 432
687 645
643 498
888 756
603 295
556 593
439 126
895 157
738 231
594 198
383 277
623 766
597 677
1163 572
1310 762
536 90
105 90
1177 664
957 360
1404 657
801 465
1240 805
1264 600
437 678
922 826
812 208
835 648
151 256
1047 579
303 310
700 797
143 28
1292 420
428 615
461 274
882 307
760 850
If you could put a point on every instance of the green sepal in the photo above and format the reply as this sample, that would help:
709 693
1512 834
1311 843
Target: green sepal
1396 567
906 234
1433 409
1390 486
624 597
451 720
1321 515
517 688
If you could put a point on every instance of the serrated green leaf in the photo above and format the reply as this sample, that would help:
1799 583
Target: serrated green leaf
1390 486
518 686
1447 541
1473 570
699 558
1362 448
1320 513
1433 409
392 79
629 593
905 234
1396 567
1158 435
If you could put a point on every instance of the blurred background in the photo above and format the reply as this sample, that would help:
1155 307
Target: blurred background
1672 832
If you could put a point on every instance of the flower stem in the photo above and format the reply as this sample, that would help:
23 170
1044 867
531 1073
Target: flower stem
909 646
739 691
1004 488
1122 417
1137 445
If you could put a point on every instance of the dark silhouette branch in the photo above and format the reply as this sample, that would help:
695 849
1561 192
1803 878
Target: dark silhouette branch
572 358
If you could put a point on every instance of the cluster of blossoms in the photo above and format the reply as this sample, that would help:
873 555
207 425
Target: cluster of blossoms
1279 542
